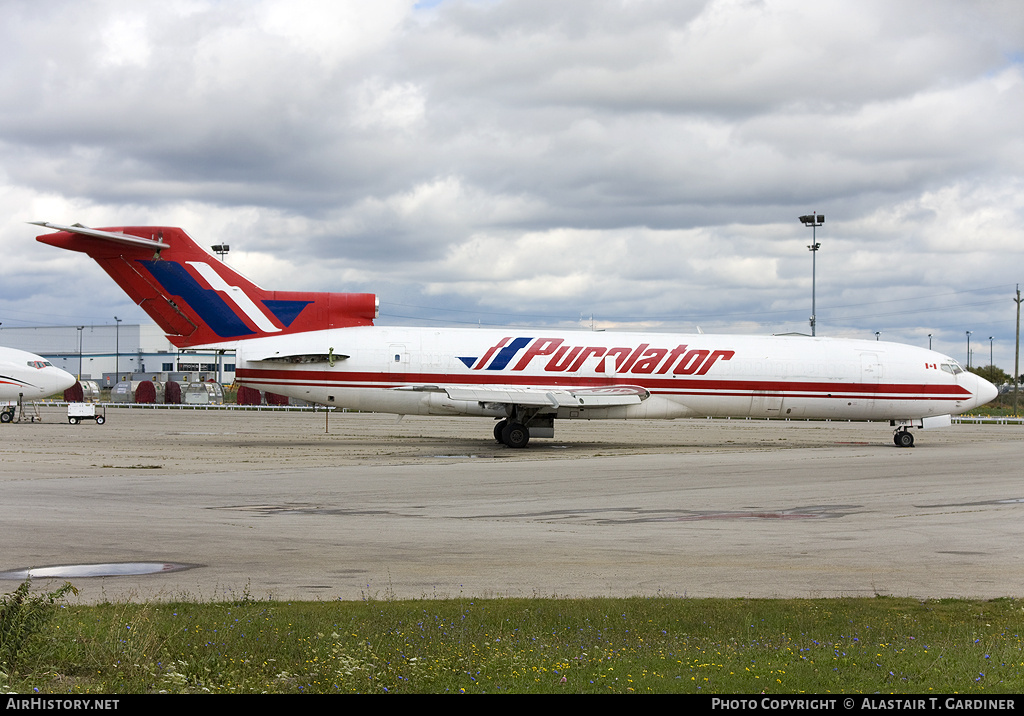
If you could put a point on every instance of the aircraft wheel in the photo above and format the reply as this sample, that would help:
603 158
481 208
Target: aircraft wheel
6 416
73 421
515 435
499 428
100 420
905 439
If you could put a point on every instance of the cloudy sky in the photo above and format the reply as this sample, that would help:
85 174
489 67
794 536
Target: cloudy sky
633 164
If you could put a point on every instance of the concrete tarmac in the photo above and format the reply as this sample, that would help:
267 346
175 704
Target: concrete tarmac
297 505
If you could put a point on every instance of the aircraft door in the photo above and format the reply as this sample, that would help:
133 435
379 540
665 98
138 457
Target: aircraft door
398 358
871 376
766 403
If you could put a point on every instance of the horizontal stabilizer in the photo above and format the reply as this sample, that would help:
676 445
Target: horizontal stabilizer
108 235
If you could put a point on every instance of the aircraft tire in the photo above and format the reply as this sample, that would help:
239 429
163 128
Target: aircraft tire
499 428
515 435
905 439
6 416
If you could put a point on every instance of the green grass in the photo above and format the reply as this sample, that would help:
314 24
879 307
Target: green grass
654 645
1001 407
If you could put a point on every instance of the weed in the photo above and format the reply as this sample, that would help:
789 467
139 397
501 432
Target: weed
25 617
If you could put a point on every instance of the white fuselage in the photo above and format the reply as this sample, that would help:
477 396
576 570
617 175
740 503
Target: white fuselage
26 375
406 371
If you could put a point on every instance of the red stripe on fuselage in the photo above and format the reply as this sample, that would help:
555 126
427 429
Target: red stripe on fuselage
663 386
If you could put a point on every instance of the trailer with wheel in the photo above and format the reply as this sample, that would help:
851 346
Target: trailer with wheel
77 412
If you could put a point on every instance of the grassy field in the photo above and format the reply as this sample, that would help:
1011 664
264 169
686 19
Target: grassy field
656 645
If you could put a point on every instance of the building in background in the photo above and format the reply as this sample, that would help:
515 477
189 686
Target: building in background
105 353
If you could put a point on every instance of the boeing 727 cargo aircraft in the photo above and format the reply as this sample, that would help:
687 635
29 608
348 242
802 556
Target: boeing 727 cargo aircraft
324 348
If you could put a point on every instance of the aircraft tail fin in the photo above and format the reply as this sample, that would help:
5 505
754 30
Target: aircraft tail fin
197 299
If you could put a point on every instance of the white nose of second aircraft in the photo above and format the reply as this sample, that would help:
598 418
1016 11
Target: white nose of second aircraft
57 380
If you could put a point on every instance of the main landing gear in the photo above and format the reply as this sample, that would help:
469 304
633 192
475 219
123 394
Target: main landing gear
515 430
903 438
511 433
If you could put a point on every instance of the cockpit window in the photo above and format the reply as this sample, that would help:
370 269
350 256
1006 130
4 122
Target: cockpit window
952 367
38 363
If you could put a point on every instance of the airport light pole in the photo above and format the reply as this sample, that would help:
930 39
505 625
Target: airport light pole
968 350
929 341
221 250
991 367
117 350
1016 356
814 221
80 328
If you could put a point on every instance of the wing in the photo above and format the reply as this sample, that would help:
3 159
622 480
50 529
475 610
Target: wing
540 397
297 356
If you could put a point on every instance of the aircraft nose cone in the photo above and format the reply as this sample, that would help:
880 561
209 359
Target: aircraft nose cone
985 391
60 380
